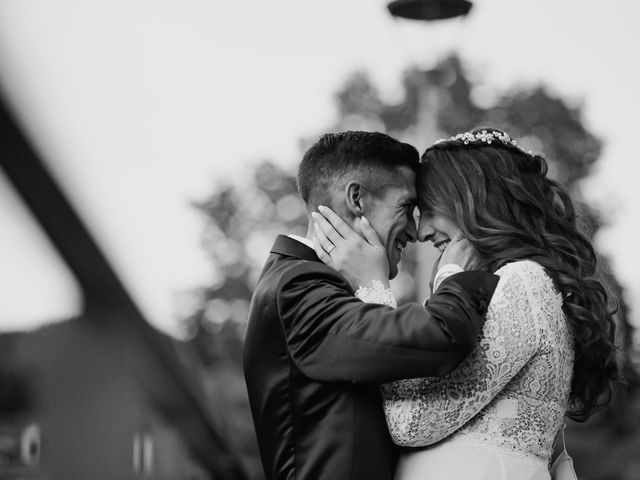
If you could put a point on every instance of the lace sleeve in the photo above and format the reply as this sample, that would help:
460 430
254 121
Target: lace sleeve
421 412
377 294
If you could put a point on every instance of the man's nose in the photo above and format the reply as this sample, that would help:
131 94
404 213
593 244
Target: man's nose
412 231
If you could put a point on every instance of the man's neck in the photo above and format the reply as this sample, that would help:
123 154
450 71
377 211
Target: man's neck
311 231
308 238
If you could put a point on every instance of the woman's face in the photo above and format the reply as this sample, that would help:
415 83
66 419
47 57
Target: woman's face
438 229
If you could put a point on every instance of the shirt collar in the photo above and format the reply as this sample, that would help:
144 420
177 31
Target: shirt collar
290 247
304 240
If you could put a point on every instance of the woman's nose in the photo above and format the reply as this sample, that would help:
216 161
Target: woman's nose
425 230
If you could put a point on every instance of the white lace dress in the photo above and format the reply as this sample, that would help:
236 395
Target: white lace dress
496 416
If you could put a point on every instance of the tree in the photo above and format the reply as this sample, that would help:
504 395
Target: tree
241 223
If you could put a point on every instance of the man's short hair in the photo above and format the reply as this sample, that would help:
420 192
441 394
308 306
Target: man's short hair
338 157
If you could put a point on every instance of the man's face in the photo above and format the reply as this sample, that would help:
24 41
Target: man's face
391 215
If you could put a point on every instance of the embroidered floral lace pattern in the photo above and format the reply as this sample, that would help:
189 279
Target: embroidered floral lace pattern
377 294
512 391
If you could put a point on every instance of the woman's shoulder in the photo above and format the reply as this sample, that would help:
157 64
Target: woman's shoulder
527 279
525 269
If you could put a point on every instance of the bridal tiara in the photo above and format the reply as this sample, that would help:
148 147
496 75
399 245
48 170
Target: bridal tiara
482 136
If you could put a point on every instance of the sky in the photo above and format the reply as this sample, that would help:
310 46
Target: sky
140 107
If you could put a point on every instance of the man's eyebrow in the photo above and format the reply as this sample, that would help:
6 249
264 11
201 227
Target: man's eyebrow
409 201
411 198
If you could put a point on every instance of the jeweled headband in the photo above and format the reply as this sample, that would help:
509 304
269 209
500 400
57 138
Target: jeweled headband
483 136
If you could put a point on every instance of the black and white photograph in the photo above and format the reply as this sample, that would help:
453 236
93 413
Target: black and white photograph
337 240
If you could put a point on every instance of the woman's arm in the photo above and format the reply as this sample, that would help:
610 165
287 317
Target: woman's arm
421 412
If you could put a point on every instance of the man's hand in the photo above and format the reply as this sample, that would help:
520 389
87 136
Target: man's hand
459 252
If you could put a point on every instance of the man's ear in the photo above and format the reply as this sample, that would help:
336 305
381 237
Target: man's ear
354 197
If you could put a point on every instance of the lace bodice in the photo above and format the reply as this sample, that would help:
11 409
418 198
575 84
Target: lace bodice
512 391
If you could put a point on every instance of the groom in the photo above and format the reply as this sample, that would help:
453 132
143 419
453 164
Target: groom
314 354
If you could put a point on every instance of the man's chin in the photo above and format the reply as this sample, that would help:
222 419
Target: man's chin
393 272
393 259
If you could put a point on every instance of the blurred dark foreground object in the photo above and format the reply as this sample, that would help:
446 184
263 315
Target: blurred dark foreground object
429 9
105 395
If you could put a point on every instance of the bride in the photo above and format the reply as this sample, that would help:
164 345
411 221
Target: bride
546 349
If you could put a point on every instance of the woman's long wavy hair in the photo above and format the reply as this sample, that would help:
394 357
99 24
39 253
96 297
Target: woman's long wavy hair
503 202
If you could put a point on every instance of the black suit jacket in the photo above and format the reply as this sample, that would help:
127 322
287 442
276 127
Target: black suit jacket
314 355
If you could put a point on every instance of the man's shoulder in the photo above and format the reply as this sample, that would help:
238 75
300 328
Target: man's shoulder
282 271
291 268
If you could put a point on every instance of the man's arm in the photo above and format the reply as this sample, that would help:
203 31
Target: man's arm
333 336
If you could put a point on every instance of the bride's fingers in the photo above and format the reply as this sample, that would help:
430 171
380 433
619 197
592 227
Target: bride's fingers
369 233
337 222
327 229
322 254
326 244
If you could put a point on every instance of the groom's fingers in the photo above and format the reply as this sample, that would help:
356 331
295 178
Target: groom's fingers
434 270
458 237
461 252
334 219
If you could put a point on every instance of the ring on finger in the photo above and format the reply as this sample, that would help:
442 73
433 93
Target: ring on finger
331 248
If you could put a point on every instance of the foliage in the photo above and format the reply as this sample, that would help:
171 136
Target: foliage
241 223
